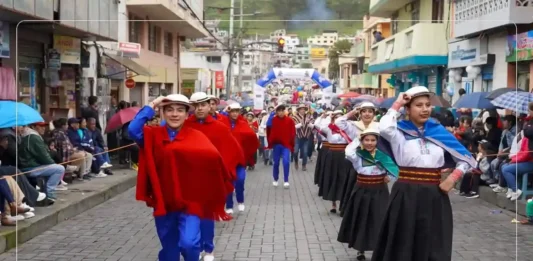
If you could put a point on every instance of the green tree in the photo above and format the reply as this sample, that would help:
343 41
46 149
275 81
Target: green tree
286 9
349 9
340 47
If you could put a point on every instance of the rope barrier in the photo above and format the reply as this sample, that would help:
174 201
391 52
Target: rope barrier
66 162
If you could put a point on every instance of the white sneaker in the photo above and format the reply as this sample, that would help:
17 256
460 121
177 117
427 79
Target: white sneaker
493 185
28 215
27 207
275 183
200 258
37 188
18 217
286 185
516 195
41 196
241 207
61 188
499 189
209 257
106 165
101 175
63 183
229 211
509 193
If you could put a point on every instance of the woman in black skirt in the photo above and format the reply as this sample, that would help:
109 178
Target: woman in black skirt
367 204
366 111
418 224
321 122
336 167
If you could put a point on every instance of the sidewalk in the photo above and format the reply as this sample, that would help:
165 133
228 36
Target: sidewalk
80 197
499 200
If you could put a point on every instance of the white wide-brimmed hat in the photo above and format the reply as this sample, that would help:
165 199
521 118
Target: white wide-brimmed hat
418 91
337 112
234 106
199 97
366 105
176 99
213 97
369 131
302 106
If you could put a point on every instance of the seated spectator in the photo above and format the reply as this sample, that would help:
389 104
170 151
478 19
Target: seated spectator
81 140
464 132
470 183
33 156
16 211
492 177
19 198
66 152
99 144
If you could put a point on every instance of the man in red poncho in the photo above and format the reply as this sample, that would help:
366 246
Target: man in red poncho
249 144
177 183
213 104
220 135
281 136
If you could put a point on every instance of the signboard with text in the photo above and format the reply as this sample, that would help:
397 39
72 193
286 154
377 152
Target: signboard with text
69 49
519 47
219 79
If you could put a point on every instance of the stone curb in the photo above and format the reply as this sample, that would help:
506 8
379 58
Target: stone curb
499 200
47 218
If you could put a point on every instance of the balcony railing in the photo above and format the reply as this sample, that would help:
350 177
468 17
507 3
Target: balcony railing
422 39
473 16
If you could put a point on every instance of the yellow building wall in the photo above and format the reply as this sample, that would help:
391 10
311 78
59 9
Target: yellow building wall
426 10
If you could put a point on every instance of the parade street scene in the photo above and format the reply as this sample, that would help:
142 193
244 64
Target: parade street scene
296 130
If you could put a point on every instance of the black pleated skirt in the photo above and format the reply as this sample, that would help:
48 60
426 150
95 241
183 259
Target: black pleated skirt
335 174
418 224
348 190
319 167
364 212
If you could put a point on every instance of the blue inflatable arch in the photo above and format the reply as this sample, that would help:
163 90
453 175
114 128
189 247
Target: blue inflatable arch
290 73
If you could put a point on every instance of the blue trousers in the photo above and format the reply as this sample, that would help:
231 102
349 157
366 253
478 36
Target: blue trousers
179 234
207 230
280 152
301 148
510 172
239 188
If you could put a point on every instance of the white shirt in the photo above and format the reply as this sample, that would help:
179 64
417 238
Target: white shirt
353 128
416 152
357 162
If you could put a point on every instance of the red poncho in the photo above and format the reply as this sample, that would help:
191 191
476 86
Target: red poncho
246 137
186 175
283 132
220 135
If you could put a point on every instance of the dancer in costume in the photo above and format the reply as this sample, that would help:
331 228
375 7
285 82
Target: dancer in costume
337 168
368 201
418 224
249 143
281 135
366 112
176 182
304 133
213 104
321 122
220 135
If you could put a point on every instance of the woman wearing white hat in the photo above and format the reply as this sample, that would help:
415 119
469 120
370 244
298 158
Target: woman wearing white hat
366 111
418 224
335 164
321 122
367 203
171 191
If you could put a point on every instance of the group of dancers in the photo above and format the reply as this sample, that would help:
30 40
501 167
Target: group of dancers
201 160
358 158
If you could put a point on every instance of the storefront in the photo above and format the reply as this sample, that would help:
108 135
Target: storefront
470 65
520 60
189 78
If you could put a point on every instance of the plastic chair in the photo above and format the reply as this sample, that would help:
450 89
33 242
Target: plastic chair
525 191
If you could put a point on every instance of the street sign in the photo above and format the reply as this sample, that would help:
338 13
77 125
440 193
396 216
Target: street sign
129 83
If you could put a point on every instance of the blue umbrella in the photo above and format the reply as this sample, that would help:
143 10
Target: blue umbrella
387 103
515 101
247 103
17 114
475 100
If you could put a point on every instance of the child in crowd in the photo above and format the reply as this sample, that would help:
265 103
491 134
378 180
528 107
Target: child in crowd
470 184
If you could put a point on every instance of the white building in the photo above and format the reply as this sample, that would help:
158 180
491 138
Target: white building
201 68
302 55
327 38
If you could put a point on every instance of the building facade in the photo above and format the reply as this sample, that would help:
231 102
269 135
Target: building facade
326 38
416 52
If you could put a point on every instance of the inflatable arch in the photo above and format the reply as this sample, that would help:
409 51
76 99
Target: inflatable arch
290 73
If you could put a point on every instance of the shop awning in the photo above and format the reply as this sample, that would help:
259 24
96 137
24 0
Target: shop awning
130 65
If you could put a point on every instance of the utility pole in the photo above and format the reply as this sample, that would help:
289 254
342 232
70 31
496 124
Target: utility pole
230 44
240 45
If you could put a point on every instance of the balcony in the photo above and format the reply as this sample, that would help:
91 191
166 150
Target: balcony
172 15
385 8
364 80
420 45
472 16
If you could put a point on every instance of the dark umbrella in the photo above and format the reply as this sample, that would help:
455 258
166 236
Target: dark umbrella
494 94
475 100
438 101
387 103
120 118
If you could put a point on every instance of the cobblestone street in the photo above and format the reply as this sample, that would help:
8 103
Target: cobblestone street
278 224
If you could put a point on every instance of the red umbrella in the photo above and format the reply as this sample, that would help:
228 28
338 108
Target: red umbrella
120 118
349 95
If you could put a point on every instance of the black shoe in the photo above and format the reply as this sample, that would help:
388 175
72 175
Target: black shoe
472 194
271 163
333 210
361 256
266 162
108 172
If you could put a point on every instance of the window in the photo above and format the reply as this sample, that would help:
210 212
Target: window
169 44
486 86
154 38
394 23
415 12
214 59
135 29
